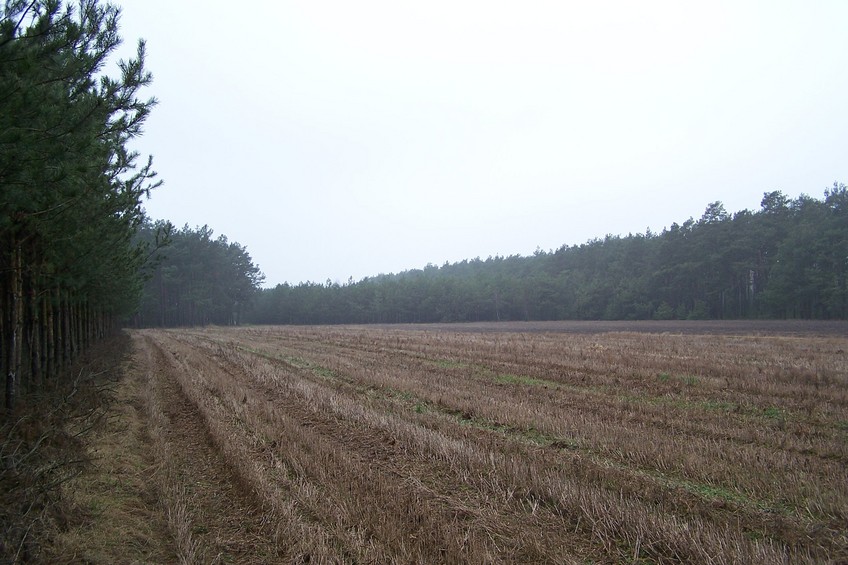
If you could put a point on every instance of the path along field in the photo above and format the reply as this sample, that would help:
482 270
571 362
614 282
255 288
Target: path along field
417 445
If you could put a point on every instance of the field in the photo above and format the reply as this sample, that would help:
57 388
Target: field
570 443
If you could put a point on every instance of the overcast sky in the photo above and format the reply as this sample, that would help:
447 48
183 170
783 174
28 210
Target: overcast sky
339 139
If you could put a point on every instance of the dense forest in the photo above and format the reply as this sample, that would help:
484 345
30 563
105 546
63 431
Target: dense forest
787 260
70 187
78 257
193 279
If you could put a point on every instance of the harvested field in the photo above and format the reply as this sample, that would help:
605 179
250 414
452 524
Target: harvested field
361 444
521 445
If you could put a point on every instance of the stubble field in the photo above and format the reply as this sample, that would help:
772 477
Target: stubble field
523 445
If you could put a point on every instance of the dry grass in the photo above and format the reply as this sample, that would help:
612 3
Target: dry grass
116 493
374 445
76 475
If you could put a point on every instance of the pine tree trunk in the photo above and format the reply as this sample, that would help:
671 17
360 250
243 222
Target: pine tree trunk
49 338
72 329
82 327
65 312
16 326
4 325
34 336
58 328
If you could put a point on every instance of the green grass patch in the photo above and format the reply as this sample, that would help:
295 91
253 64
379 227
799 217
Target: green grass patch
717 406
715 492
774 413
528 435
755 534
323 372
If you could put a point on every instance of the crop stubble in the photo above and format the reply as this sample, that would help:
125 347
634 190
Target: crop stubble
363 444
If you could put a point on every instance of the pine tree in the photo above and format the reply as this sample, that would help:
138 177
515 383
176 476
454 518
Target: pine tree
71 187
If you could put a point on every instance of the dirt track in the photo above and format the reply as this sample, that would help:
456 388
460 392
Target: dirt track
224 519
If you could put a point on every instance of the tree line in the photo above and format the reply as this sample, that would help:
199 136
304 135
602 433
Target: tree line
78 257
193 278
70 187
787 260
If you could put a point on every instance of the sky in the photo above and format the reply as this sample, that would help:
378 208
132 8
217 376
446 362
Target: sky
338 139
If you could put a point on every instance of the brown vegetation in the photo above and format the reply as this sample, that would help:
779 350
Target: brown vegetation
424 446
359 444
75 471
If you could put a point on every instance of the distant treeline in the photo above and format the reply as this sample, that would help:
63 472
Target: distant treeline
193 279
787 260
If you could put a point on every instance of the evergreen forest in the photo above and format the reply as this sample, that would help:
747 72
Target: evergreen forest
70 186
193 278
787 260
78 257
